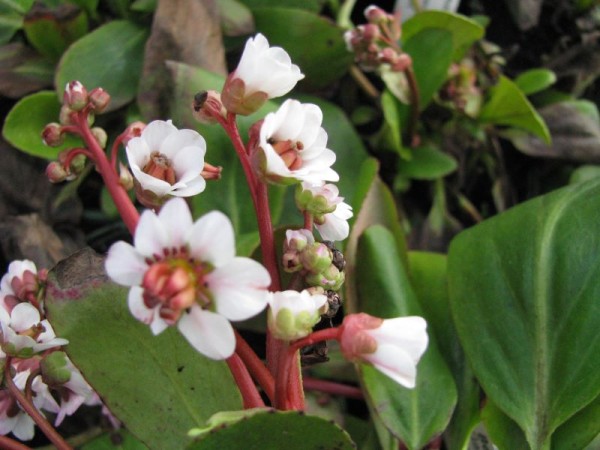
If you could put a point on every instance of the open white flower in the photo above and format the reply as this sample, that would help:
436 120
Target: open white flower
24 333
187 273
263 72
293 146
166 162
333 226
392 346
18 283
293 314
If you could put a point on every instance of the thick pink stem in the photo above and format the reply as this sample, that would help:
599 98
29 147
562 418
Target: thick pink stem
256 367
250 395
7 443
331 387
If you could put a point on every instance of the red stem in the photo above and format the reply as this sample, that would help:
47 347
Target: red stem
7 443
256 367
252 398
124 204
30 409
238 144
114 150
331 387
308 221
73 153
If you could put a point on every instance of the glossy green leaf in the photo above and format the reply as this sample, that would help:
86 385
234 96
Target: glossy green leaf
11 17
325 60
464 31
384 290
109 57
535 80
159 386
427 163
429 278
25 122
503 431
271 430
580 430
236 18
523 292
391 116
125 440
431 52
53 31
507 105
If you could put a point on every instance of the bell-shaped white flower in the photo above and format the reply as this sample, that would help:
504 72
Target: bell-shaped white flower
293 314
24 334
263 72
187 273
166 162
292 146
332 225
392 346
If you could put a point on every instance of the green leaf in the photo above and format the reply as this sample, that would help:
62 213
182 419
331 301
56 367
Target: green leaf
276 430
109 57
427 163
11 17
580 430
535 80
107 442
236 18
507 105
391 116
325 60
429 278
52 31
523 292
503 431
159 386
413 415
25 122
307 5
431 52
464 31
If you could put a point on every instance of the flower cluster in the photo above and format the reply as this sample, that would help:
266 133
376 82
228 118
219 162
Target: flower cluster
28 341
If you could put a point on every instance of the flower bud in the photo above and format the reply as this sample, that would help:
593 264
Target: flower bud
55 172
75 96
295 242
53 135
331 278
207 106
100 136
125 177
374 14
54 368
292 314
77 165
316 257
65 115
133 130
99 99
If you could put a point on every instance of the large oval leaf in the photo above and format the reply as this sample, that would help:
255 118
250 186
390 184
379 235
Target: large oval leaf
384 290
25 122
159 386
273 430
524 294
110 57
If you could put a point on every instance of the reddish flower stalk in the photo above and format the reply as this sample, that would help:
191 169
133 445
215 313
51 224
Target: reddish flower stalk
250 395
256 367
30 409
10 444
124 204
331 387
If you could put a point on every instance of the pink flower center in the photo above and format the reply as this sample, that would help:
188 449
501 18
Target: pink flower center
289 151
159 166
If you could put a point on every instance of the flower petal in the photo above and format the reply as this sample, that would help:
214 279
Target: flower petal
395 363
156 132
189 188
188 162
208 332
179 139
211 239
124 265
151 237
176 219
24 316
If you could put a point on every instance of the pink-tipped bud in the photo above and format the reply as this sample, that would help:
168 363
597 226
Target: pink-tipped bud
403 62
65 115
125 177
56 173
370 32
208 108
99 99
75 96
100 136
53 135
374 14
316 257
133 130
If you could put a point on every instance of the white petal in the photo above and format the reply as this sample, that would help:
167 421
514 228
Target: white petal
208 332
176 219
180 139
151 237
23 427
137 307
124 265
211 239
24 316
156 132
188 163
395 363
138 153
189 188
150 183
407 333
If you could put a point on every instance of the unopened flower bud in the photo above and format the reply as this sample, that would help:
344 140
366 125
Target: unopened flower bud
133 130
75 96
53 135
55 369
316 257
65 115
331 278
370 32
292 314
295 242
100 136
99 99
55 172
403 62
77 164
207 106
125 177
374 14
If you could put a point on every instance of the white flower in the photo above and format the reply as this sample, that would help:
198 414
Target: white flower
166 161
293 314
266 69
24 333
392 346
73 394
332 226
20 281
187 273
293 145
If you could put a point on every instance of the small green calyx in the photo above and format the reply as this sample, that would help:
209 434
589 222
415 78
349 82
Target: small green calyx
289 326
317 205
55 371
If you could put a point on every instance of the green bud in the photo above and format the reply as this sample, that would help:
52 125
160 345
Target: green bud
55 371
288 326
330 279
316 257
